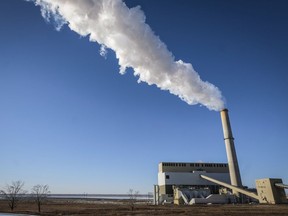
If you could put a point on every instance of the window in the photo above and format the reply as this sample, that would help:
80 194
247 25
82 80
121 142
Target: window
167 177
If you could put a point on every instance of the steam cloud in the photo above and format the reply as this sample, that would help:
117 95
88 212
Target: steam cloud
113 25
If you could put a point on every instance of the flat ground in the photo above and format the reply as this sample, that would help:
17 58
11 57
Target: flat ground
121 208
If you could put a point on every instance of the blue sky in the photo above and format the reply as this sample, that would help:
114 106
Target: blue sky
70 120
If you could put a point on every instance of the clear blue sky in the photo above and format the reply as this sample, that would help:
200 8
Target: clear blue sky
70 120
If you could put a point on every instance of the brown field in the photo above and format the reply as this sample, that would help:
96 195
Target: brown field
121 208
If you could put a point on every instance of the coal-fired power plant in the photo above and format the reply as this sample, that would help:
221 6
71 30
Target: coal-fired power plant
234 171
218 183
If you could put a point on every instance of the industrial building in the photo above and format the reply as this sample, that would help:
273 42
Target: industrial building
199 183
187 175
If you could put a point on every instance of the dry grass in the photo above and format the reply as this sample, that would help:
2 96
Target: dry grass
120 208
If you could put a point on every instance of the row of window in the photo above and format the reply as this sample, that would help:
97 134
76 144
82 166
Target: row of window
215 165
175 164
195 165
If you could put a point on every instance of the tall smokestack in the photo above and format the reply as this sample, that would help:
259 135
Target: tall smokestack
230 150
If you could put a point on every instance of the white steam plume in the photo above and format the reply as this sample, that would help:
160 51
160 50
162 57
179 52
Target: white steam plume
113 25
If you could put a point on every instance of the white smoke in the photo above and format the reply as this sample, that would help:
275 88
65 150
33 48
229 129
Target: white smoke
113 25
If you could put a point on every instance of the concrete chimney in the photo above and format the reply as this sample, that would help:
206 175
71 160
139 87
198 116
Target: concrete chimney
230 150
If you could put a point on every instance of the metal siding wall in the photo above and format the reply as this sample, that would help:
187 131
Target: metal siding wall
190 178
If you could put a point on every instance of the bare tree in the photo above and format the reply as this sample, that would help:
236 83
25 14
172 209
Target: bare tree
39 194
13 193
132 198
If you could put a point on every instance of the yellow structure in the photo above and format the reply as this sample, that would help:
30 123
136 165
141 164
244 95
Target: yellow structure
269 191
